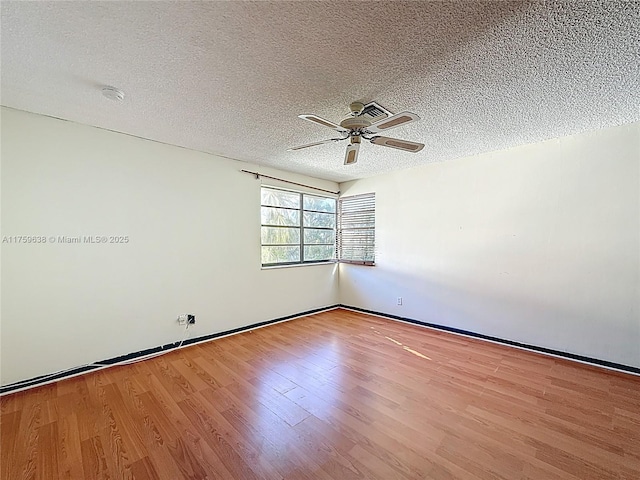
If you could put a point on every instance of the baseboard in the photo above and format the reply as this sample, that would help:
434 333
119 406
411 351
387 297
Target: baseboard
110 362
53 377
547 351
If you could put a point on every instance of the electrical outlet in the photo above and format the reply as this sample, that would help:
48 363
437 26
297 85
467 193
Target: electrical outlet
191 319
399 301
182 319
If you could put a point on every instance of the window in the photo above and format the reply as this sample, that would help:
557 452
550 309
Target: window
356 229
297 227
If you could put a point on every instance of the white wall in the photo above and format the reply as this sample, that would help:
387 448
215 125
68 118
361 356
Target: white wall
193 223
538 244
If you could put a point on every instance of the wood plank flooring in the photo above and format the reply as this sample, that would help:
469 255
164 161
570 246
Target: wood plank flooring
337 395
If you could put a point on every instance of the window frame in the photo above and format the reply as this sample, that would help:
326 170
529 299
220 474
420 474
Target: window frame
300 227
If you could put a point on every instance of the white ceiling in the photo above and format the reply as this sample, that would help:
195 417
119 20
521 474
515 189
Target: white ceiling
230 77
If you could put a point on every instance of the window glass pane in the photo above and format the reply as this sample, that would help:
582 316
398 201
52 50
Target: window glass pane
280 216
320 204
327 220
280 198
280 254
280 235
318 252
319 236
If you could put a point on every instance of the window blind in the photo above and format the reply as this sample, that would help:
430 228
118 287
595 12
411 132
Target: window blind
356 229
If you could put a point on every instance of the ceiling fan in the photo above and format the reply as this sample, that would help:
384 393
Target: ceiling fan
357 127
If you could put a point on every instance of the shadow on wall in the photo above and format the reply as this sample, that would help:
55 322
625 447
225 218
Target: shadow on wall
574 322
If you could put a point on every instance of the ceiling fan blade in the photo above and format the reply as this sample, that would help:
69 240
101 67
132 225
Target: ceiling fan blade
397 120
351 156
321 121
315 143
405 145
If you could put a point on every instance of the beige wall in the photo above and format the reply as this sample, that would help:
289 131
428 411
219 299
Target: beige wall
538 244
193 222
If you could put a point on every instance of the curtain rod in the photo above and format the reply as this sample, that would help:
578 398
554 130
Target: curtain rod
258 175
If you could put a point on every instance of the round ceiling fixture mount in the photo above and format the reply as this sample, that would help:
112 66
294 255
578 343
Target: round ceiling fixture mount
113 93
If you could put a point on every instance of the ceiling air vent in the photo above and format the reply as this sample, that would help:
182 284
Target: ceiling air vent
375 112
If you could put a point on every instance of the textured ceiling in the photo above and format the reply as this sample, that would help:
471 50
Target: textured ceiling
231 77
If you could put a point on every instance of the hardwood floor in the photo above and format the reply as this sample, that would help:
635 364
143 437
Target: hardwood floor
337 395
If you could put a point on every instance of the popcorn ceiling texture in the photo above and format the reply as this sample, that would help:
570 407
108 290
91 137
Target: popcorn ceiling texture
230 78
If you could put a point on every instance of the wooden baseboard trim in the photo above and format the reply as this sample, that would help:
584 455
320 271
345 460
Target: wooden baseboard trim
169 347
543 350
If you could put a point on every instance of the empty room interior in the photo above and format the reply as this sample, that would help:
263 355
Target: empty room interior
218 264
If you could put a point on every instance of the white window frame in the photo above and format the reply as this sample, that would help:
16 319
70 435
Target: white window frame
301 228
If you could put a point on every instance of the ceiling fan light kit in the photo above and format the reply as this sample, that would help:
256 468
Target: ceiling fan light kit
359 126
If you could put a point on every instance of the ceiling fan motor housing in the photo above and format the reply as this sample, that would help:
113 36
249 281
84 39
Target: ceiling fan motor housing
355 123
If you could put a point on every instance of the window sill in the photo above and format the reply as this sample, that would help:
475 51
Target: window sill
362 264
294 265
